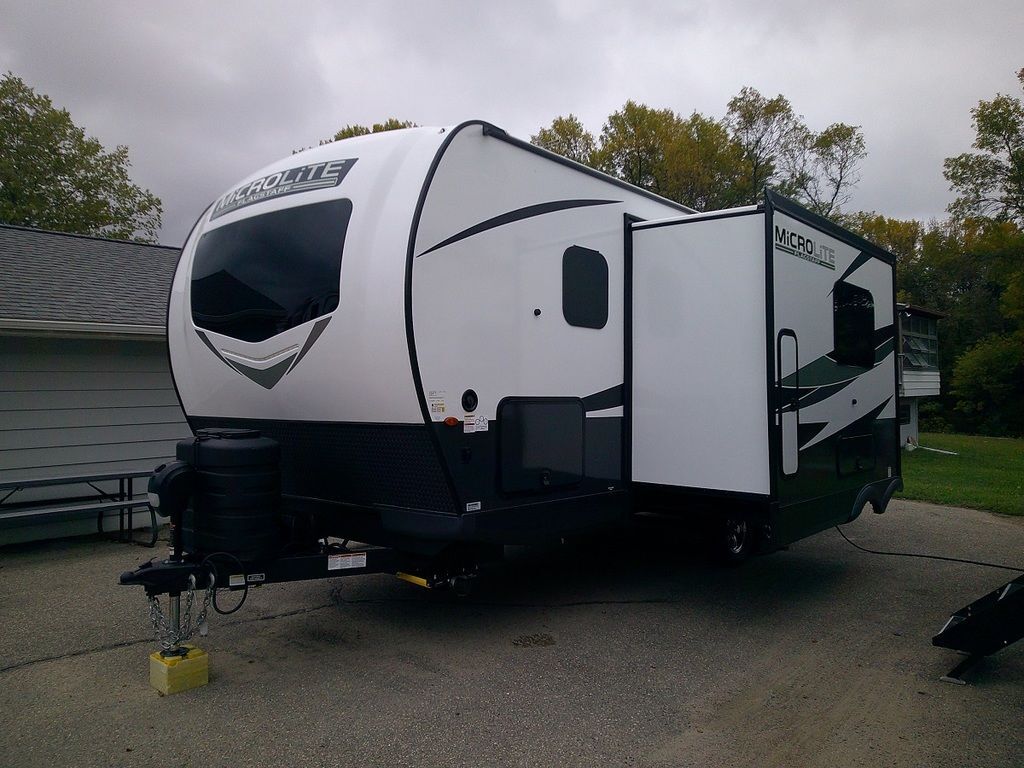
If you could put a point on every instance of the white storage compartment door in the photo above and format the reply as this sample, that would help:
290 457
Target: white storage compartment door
699 373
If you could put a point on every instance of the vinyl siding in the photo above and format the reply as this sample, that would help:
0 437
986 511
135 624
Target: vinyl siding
79 406
919 383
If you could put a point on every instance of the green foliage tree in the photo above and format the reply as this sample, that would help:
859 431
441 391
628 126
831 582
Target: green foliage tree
823 168
766 132
693 161
971 271
988 378
391 124
55 177
703 164
990 182
708 163
567 137
988 382
633 145
901 237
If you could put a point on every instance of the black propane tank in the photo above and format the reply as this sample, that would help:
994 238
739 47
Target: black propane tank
236 494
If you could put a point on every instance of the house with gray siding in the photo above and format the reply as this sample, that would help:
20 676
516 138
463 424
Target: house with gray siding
84 380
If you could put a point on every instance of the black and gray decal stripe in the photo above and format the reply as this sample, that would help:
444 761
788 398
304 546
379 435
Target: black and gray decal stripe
884 334
518 215
825 371
807 433
268 377
213 349
817 394
606 398
860 261
314 334
265 377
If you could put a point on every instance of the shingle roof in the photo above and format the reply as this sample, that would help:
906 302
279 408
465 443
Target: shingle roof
74 278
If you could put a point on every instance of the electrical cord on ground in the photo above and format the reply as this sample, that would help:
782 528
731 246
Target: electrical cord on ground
245 591
923 556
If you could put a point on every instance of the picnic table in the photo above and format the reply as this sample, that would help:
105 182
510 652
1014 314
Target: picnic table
14 512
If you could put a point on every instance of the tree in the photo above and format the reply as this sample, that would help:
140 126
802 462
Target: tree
901 237
55 177
904 239
633 145
988 382
969 269
988 379
391 124
822 168
567 137
779 150
702 164
708 164
765 130
990 182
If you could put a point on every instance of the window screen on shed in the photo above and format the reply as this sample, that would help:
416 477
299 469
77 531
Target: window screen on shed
584 287
853 316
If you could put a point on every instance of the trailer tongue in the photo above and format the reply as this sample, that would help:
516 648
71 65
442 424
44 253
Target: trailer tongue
224 502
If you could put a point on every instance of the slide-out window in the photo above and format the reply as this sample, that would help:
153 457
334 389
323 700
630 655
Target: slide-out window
853 316
584 287
541 443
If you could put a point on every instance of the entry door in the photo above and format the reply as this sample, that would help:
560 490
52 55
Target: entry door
788 387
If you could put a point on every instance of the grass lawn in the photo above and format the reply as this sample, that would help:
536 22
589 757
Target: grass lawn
988 473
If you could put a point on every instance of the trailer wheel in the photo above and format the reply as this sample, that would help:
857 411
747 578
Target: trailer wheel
734 539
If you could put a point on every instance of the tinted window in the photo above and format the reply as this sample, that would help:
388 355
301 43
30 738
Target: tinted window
541 443
853 312
263 275
584 288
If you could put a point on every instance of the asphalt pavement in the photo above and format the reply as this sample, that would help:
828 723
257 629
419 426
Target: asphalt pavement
628 651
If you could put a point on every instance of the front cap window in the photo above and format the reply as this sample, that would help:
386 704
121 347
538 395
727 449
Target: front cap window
265 274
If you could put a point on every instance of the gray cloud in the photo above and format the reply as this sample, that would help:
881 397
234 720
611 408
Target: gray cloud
204 93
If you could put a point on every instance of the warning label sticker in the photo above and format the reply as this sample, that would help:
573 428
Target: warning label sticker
436 402
475 423
349 560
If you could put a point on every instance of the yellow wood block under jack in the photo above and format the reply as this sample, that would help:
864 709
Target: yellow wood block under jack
174 674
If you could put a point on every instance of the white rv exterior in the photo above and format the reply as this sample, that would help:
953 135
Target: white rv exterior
456 336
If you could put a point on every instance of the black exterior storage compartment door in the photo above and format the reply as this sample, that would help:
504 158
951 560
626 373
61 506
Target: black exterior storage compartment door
541 443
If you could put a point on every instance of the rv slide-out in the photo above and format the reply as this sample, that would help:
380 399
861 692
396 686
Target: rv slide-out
762 367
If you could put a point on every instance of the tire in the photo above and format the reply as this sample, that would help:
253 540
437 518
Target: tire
733 538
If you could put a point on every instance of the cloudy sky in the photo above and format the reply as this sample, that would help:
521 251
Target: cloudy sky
204 93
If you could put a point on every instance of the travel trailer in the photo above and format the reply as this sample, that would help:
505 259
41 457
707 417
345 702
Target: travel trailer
439 341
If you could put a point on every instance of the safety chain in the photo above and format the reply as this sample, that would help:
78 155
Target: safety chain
169 637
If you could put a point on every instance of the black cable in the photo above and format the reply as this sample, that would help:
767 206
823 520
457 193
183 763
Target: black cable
213 567
929 557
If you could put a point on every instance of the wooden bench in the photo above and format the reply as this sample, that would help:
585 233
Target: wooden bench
124 500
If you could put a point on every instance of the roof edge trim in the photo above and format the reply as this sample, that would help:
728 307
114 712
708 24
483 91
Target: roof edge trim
10 326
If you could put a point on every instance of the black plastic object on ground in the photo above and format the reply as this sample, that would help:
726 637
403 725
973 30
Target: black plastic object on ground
236 496
984 627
